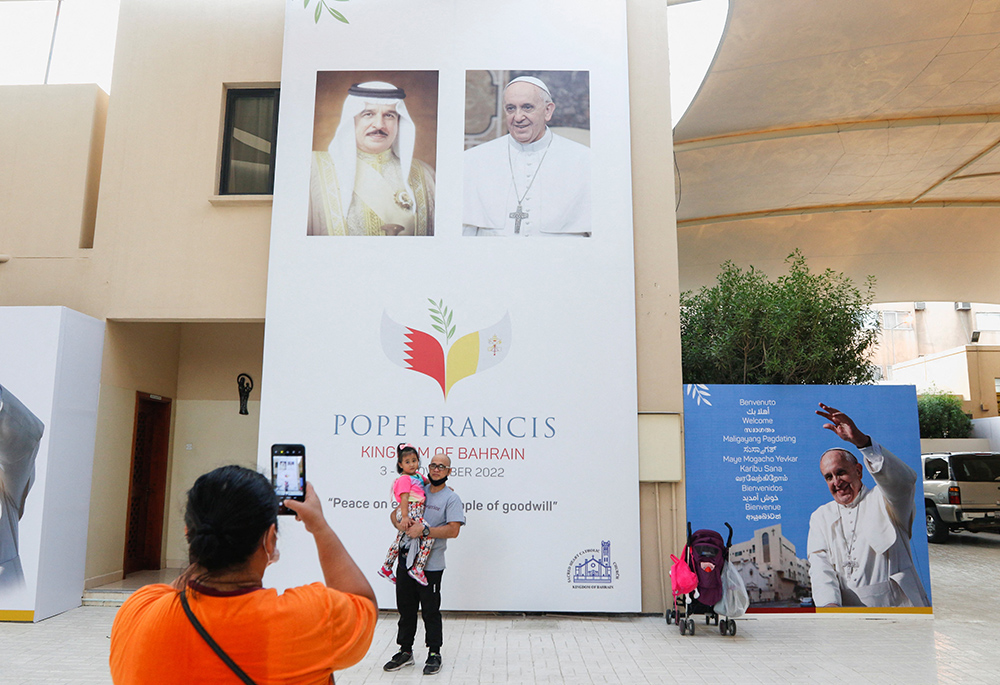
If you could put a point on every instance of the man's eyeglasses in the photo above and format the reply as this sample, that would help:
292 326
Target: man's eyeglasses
437 467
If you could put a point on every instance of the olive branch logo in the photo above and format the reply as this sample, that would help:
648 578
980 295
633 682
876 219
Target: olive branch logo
321 5
447 364
700 393
442 319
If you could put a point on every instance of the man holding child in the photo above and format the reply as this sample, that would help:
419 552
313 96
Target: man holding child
444 516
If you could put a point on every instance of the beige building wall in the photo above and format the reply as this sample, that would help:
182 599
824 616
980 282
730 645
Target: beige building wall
195 365
915 329
51 142
138 357
171 254
207 434
209 431
50 138
969 371
928 344
984 374
980 444
662 513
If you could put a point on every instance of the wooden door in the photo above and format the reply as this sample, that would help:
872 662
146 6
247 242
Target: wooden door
147 484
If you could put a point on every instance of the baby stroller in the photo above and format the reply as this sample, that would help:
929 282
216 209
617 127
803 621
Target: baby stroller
705 555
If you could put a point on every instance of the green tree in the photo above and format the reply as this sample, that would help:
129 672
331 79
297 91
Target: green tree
941 416
805 327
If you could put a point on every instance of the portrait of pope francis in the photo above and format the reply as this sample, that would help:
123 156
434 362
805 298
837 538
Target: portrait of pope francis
533 181
859 543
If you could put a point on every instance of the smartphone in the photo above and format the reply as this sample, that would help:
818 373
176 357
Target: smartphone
288 474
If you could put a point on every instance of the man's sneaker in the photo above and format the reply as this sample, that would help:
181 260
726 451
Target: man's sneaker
433 663
417 575
387 573
398 660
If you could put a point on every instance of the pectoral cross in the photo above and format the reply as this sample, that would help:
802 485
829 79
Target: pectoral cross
517 216
851 565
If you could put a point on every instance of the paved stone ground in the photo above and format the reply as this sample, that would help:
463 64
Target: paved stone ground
958 645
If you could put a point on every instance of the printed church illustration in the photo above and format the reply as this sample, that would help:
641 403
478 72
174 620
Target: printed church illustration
594 570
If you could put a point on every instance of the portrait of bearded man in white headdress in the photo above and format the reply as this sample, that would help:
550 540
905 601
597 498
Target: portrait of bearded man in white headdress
367 182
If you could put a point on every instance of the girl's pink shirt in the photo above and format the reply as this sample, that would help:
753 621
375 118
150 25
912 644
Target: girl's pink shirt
414 485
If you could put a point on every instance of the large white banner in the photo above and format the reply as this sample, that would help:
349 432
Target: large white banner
414 308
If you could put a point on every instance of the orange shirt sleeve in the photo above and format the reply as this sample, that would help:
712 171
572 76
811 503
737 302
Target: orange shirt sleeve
344 623
128 646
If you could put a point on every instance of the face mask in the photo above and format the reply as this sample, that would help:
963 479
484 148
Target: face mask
437 482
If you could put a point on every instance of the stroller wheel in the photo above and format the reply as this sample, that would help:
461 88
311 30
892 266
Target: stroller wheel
683 626
732 627
690 624
708 619
669 616
723 626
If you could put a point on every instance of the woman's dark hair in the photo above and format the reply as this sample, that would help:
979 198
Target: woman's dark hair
402 449
228 511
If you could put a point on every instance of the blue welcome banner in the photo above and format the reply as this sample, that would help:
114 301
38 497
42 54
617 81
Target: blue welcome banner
752 458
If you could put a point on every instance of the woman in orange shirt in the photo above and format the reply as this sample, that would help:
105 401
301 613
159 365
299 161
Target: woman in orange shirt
299 636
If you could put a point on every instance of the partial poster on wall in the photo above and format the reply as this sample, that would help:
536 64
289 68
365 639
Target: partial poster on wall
50 370
392 317
826 509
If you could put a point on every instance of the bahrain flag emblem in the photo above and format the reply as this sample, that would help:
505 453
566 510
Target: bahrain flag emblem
449 363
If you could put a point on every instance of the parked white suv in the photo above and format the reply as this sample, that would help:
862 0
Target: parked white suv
961 492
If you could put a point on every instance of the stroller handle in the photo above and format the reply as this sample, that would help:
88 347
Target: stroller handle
729 540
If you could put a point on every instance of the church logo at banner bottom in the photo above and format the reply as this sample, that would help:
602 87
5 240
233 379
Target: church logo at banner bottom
417 350
593 569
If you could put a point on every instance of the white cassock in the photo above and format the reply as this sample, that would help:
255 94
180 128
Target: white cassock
550 177
20 434
874 533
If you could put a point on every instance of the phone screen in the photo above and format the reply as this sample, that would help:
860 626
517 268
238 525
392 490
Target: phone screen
288 473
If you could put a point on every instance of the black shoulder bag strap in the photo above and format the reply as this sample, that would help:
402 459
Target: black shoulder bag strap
212 643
